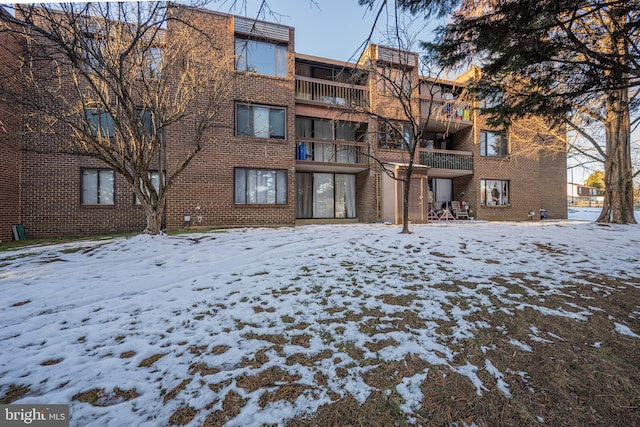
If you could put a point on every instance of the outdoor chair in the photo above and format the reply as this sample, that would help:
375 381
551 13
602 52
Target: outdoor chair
458 211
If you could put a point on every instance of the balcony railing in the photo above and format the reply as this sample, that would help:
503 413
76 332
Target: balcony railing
447 159
445 110
332 152
328 92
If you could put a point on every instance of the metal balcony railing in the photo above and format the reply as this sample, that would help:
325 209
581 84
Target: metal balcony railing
332 152
333 93
447 159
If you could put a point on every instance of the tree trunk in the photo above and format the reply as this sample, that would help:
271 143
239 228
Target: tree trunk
618 175
154 219
405 200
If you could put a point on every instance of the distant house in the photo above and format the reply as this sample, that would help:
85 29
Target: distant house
583 195
296 153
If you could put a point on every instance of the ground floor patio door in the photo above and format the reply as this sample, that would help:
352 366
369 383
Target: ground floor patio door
325 195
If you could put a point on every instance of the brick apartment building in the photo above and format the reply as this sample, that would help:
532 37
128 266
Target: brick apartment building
296 152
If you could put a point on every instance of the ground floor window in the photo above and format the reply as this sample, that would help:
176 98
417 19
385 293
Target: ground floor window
494 192
326 195
260 187
97 187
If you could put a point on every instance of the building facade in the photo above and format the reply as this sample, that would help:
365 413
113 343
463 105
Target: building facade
302 141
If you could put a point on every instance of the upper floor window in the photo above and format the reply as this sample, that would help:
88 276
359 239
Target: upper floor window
152 62
100 123
395 82
92 47
261 121
394 135
98 186
261 57
149 127
493 144
437 141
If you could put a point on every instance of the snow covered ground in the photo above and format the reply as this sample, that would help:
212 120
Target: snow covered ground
185 321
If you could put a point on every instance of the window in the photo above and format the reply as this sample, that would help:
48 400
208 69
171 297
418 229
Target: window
492 144
261 57
436 140
154 176
152 61
97 187
260 187
92 46
148 125
260 121
100 123
389 136
329 129
325 195
494 192
395 82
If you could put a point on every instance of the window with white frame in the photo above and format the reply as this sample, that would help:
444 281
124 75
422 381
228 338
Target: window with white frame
260 57
99 122
494 192
98 186
260 187
493 144
261 121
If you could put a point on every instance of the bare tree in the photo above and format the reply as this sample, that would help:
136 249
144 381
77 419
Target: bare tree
405 86
106 80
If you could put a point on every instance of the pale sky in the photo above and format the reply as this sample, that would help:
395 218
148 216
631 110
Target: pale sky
334 29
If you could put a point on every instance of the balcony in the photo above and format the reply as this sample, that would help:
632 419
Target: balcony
325 92
331 156
446 112
447 163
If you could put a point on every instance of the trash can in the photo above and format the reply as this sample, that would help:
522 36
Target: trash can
544 214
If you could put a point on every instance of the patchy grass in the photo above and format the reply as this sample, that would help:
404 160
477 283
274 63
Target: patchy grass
150 360
183 415
173 393
13 393
376 343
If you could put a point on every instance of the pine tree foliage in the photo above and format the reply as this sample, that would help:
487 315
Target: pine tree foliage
568 61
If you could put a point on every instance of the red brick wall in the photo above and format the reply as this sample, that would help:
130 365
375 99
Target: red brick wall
51 199
554 185
205 190
10 127
51 192
536 181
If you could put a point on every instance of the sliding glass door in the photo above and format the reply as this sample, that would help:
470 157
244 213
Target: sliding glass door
325 195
